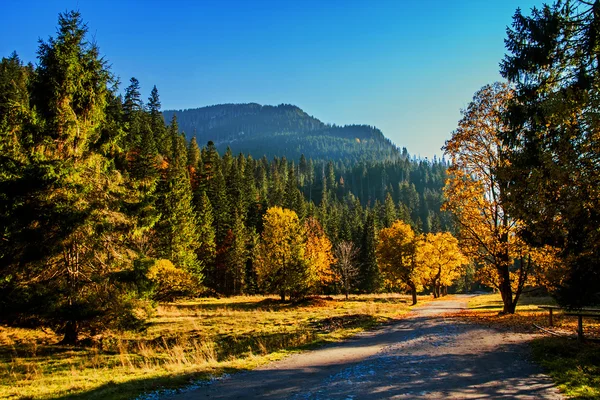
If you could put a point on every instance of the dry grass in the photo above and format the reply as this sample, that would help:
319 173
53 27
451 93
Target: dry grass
184 342
485 309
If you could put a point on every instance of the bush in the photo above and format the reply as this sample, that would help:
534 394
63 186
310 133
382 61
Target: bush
171 282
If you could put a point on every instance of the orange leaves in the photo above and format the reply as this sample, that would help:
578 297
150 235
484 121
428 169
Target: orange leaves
474 193
318 254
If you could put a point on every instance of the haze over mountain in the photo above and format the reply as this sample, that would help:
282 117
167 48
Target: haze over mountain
283 130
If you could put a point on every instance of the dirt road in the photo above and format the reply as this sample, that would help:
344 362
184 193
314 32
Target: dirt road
423 356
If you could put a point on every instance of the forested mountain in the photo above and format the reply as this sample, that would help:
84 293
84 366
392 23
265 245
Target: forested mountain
105 209
283 130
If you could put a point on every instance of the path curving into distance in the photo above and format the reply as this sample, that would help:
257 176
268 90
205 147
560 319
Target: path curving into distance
423 356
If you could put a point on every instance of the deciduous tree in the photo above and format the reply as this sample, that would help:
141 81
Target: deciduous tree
280 258
346 265
475 194
318 254
440 255
396 256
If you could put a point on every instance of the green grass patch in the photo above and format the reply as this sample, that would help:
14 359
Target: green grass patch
186 341
574 367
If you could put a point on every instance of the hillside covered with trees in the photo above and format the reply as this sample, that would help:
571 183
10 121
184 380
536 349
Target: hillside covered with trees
106 210
283 130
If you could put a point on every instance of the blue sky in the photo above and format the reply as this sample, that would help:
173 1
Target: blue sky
407 67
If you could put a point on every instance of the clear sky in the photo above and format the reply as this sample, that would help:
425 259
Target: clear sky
407 67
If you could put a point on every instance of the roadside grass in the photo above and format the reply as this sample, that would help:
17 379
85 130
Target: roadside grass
574 366
187 341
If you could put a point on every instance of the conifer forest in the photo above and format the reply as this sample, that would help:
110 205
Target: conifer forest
113 210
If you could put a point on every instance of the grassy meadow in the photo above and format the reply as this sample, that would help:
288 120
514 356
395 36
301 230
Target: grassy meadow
574 366
185 341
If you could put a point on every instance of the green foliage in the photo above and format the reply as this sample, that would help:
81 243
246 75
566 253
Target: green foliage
552 143
283 130
573 366
178 230
62 202
94 188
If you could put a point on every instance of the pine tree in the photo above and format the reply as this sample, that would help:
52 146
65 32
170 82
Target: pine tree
238 256
206 233
177 229
157 124
133 113
65 224
368 277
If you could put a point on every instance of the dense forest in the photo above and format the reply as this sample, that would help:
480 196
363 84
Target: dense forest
284 130
105 209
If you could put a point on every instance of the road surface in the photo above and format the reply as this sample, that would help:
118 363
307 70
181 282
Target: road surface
423 356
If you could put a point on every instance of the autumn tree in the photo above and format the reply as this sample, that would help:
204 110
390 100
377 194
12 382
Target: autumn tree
396 256
440 255
346 254
475 194
280 258
552 141
318 255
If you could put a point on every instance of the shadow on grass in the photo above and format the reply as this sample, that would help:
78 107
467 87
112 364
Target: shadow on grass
39 351
391 300
274 304
131 389
574 366
271 304
402 372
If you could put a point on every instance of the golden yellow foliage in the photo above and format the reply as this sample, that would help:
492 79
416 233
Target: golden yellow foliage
441 258
396 256
171 282
318 254
474 194
280 257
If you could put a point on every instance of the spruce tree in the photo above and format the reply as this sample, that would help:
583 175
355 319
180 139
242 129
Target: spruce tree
67 219
157 123
178 234
369 279
206 250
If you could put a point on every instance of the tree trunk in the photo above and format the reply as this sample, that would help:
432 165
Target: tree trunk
282 294
71 333
506 292
413 292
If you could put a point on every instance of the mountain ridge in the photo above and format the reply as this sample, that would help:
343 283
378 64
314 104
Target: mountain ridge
282 130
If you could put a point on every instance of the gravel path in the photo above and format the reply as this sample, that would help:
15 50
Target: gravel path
422 356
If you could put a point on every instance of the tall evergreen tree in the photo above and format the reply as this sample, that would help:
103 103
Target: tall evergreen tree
368 277
178 234
157 123
64 220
